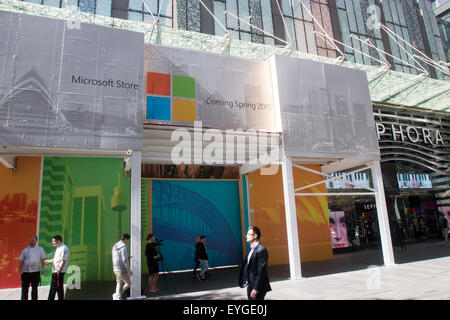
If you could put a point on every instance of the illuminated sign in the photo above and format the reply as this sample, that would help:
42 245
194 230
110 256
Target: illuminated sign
413 181
360 179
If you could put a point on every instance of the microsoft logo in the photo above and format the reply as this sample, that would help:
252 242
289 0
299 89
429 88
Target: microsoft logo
170 98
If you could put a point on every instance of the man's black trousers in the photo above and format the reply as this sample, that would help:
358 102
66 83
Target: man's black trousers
32 278
57 286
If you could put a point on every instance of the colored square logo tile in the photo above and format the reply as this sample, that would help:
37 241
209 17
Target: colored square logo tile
183 87
158 83
158 108
184 110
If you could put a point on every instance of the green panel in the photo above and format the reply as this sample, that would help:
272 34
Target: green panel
183 87
78 197
76 221
91 216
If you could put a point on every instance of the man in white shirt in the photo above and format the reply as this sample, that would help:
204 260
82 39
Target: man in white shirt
59 268
121 267
29 268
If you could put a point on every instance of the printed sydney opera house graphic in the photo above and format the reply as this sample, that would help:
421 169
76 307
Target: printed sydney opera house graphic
31 115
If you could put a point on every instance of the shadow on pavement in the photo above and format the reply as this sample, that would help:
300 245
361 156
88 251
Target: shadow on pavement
173 284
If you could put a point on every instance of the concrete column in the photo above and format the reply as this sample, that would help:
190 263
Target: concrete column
383 218
291 219
136 160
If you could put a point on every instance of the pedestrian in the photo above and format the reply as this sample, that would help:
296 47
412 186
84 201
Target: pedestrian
401 234
202 255
59 268
153 256
120 260
197 262
29 268
254 270
444 224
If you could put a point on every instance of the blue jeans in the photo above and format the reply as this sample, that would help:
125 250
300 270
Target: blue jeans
204 266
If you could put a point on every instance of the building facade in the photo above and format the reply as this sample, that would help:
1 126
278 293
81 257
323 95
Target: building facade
442 12
408 114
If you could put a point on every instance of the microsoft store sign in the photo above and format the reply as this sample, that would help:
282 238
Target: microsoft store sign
413 134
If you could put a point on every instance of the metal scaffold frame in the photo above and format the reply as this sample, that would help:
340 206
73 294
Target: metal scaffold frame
290 192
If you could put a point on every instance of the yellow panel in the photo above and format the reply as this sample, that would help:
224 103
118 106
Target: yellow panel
184 110
312 216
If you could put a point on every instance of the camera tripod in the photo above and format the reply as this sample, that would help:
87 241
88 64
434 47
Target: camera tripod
165 270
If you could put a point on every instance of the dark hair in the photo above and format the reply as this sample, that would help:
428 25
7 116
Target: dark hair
256 231
57 238
125 236
150 235
202 237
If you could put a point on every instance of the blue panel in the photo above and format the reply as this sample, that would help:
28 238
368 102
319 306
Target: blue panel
184 210
158 108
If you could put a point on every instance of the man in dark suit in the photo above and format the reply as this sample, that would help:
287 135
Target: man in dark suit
254 274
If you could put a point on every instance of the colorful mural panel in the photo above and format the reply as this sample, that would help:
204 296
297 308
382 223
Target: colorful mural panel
267 201
87 202
19 194
184 210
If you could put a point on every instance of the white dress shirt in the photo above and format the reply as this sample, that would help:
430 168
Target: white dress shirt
252 248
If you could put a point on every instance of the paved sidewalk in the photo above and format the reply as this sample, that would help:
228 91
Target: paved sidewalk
422 272
424 280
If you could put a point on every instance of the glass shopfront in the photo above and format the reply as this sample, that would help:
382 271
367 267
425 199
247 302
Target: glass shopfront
414 163
412 202
356 227
410 198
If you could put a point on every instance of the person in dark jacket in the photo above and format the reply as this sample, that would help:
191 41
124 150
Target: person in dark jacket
202 255
401 234
254 270
153 256
444 225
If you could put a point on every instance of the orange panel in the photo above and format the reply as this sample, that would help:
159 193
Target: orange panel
312 216
158 83
19 193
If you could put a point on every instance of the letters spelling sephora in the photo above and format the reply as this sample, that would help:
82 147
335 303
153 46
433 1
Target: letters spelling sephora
105 83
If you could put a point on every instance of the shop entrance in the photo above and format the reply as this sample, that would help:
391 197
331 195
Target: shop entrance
353 223
419 214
